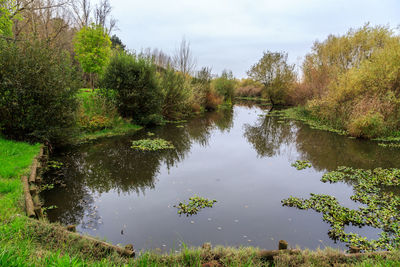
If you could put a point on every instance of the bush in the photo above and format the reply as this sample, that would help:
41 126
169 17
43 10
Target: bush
176 92
37 92
338 54
225 86
249 88
138 93
369 125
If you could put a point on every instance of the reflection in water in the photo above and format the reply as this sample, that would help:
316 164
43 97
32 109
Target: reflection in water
239 157
113 165
325 150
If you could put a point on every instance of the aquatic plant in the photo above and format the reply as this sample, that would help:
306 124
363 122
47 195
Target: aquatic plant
152 144
54 164
391 145
374 189
195 204
301 164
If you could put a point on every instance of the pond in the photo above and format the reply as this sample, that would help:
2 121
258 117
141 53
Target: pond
240 157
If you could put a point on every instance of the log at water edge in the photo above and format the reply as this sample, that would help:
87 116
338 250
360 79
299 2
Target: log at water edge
30 208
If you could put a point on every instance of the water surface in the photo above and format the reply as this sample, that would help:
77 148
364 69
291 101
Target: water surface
239 157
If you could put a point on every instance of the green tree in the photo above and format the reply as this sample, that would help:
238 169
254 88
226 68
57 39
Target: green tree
93 48
37 92
225 85
7 12
275 74
138 93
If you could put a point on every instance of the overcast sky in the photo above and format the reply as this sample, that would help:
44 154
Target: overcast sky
232 34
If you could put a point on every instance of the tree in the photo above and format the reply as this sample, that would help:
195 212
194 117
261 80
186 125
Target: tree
7 12
93 49
275 74
116 43
138 93
183 58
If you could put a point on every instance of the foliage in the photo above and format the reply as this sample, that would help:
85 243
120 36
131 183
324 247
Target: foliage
98 116
177 92
375 189
116 43
301 164
225 86
152 144
275 74
351 81
392 145
7 10
338 54
96 112
249 88
138 93
195 204
92 47
37 92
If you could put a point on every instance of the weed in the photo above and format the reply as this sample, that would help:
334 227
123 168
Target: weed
152 144
301 164
195 204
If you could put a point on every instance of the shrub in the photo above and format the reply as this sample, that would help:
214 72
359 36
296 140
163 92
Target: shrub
176 92
249 88
37 92
138 93
369 125
338 54
224 85
201 88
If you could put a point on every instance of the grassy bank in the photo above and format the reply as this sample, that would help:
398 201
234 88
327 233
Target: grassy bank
301 114
98 118
27 242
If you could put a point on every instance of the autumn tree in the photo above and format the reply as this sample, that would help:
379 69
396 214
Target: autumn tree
93 49
274 72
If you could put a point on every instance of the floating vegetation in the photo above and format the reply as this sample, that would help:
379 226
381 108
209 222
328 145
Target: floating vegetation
179 126
150 134
177 122
152 144
195 204
54 164
374 189
46 187
301 164
392 145
52 207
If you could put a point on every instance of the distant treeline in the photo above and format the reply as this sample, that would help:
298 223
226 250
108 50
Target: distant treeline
350 82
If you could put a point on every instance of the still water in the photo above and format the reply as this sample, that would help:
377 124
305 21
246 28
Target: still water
239 157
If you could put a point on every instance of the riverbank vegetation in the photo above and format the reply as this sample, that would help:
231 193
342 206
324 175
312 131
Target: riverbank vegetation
347 82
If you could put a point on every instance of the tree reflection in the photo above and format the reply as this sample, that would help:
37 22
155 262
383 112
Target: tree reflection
111 164
325 150
267 135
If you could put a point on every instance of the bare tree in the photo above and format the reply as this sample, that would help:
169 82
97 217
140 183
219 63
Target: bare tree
82 10
183 58
102 13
